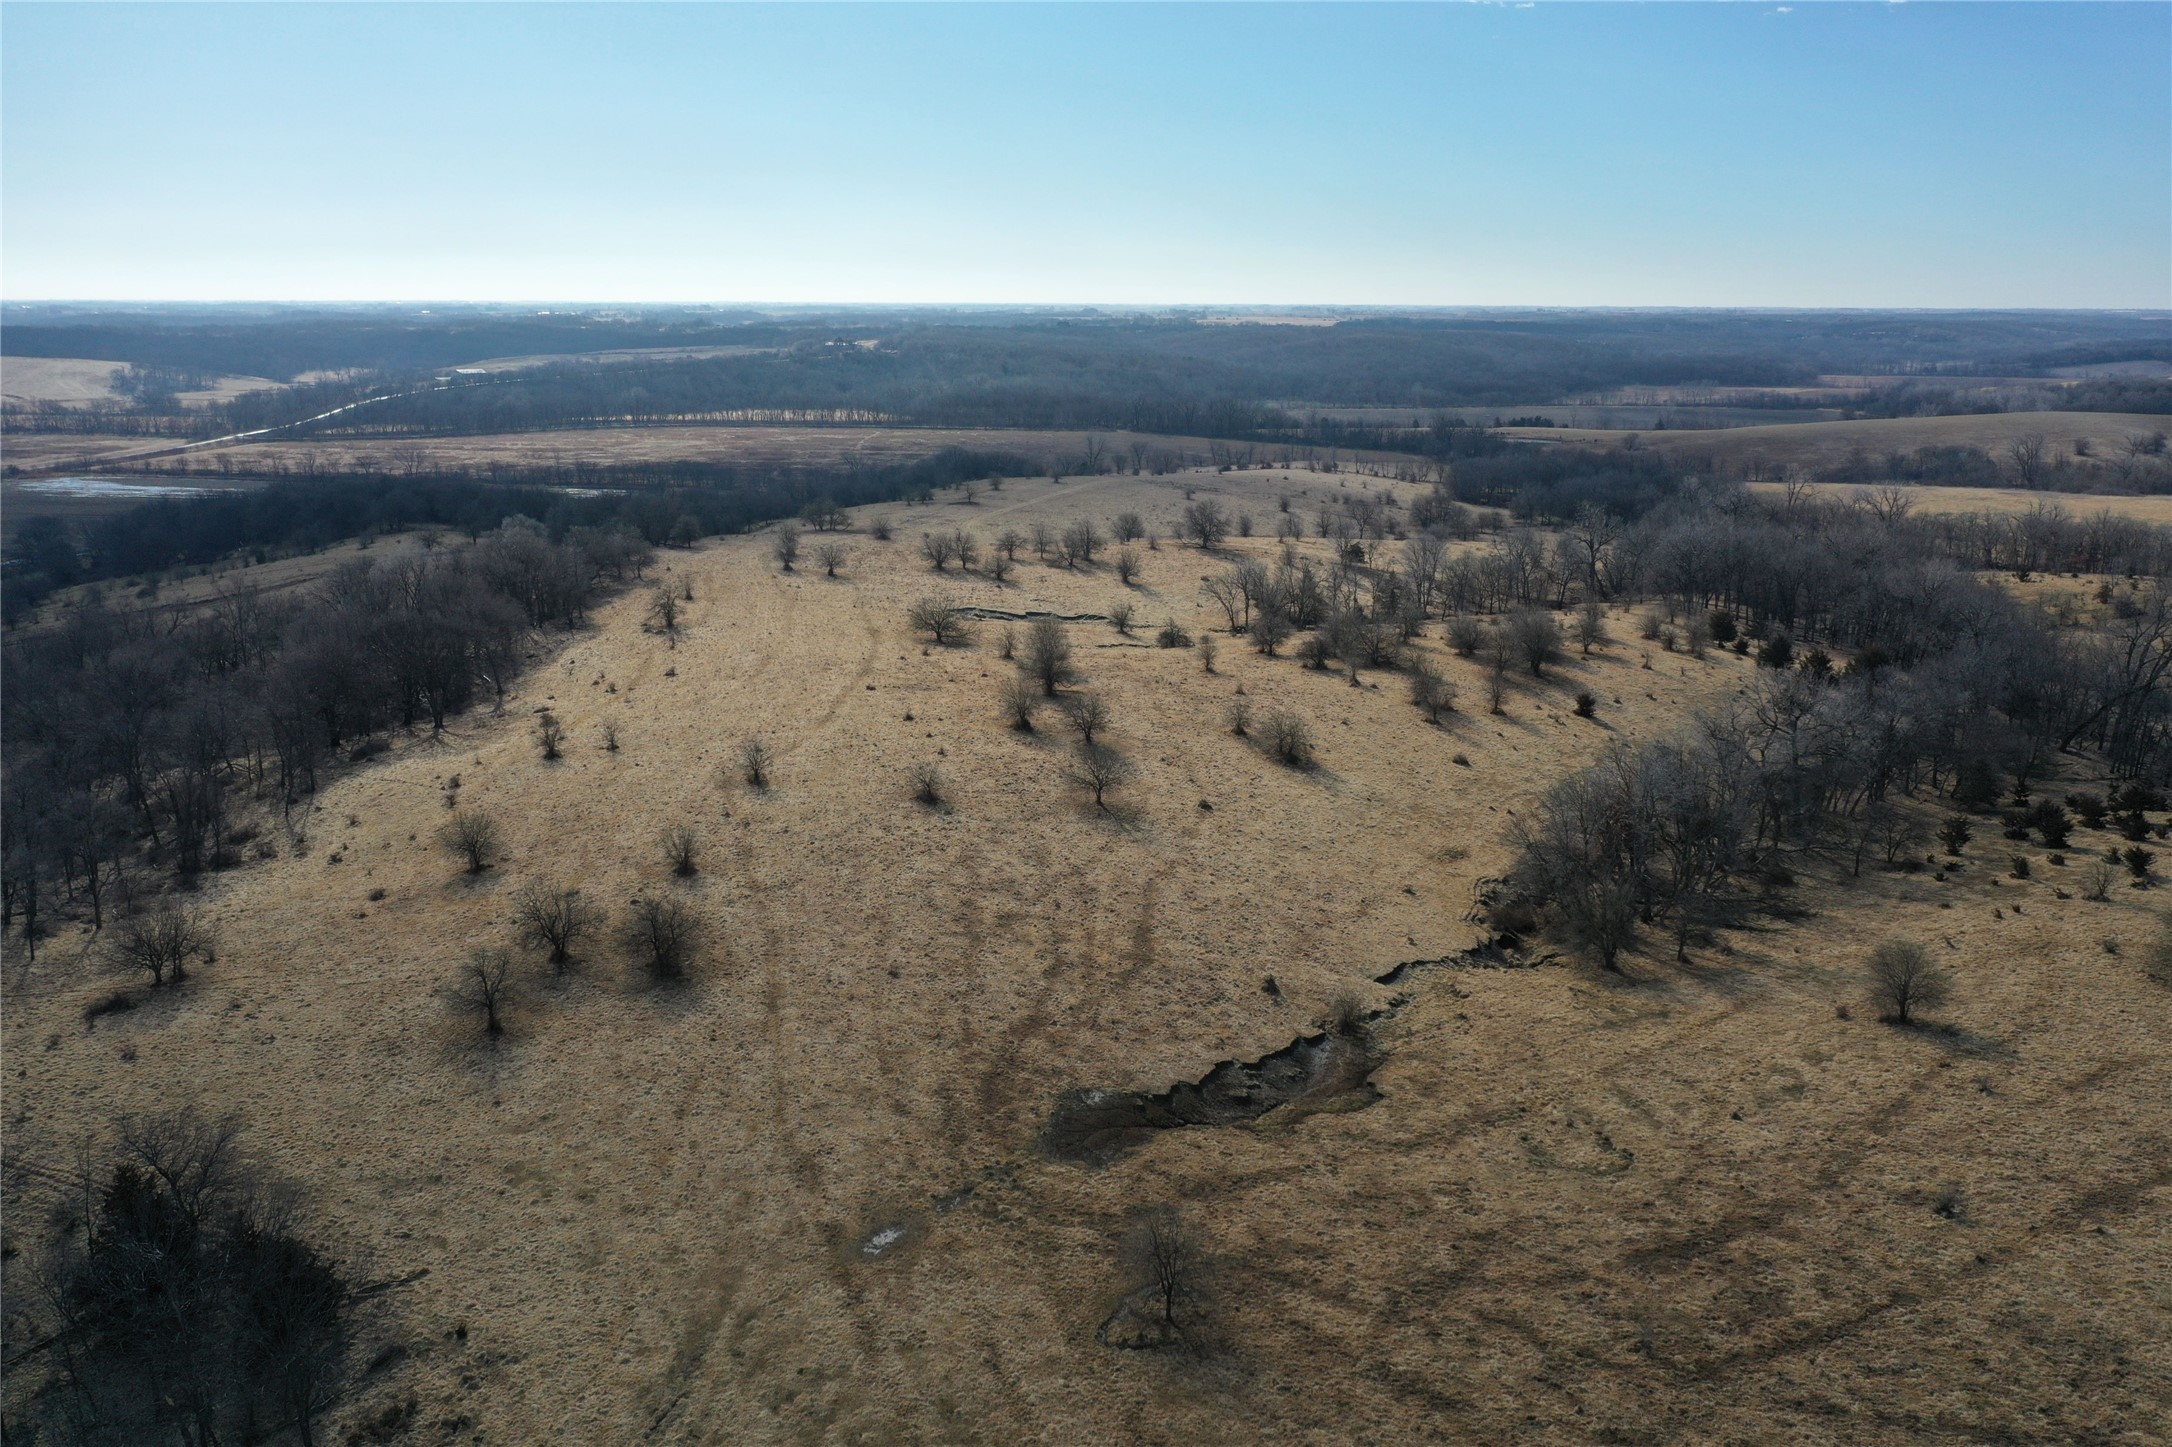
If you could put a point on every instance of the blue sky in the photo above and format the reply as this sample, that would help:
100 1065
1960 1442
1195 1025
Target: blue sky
1755 155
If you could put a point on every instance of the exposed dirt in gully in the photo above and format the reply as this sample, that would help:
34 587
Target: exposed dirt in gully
803 1198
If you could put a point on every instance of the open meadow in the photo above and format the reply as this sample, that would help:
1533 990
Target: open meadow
811 1193
79 382
1993 501
1818 444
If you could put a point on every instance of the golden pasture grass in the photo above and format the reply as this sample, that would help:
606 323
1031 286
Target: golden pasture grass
1697 1207
765 445
2153 509
77 382
64 451
1817 444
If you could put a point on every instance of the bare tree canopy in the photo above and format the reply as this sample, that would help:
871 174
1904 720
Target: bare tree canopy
942 620
1046 658
162 942
472 837
1904 979
554 920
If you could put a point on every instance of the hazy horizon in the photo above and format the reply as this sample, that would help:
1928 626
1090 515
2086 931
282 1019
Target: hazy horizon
1868 157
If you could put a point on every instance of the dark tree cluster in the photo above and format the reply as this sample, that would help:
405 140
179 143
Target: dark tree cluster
651 503
135 734
183 1300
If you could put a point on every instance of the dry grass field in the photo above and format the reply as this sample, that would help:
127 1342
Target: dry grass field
746 446
68 380
2152 509
77 382
61 451
1816 444
612 355
1714 1204
754 446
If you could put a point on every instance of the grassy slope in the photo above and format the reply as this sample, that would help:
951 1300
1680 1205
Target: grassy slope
2152 509
1699 1208
1817 443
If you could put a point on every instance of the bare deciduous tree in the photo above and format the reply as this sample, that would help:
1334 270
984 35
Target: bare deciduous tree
965 547
785 545
927 782
1081 540
554 920
682 850
1165 1266
662 934
1288 738
832 557
1270 630
1904 979
1121 614
754 763
1127 566
1591 625
942 620
1537 639
162 942
484 985
2026 455
663 615
1466 634
193 1310
1205 524
1430 691
1087 714
1047 659
550 734
1020 701
1129 528
1097 768
472 837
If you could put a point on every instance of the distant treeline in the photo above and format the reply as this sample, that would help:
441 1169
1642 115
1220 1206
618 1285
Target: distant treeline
285 347
1175 379
1087 370
2105 394
1420 358
676 502
1556 482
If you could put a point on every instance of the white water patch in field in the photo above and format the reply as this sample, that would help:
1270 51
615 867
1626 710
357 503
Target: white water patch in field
113 489
882 1240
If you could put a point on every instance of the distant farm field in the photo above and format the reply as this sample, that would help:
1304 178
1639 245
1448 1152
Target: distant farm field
1817 444
72 380
744 446
2001 499
82 382
46 451
1593 416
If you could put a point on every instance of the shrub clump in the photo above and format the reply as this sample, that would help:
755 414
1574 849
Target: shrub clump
1289 739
